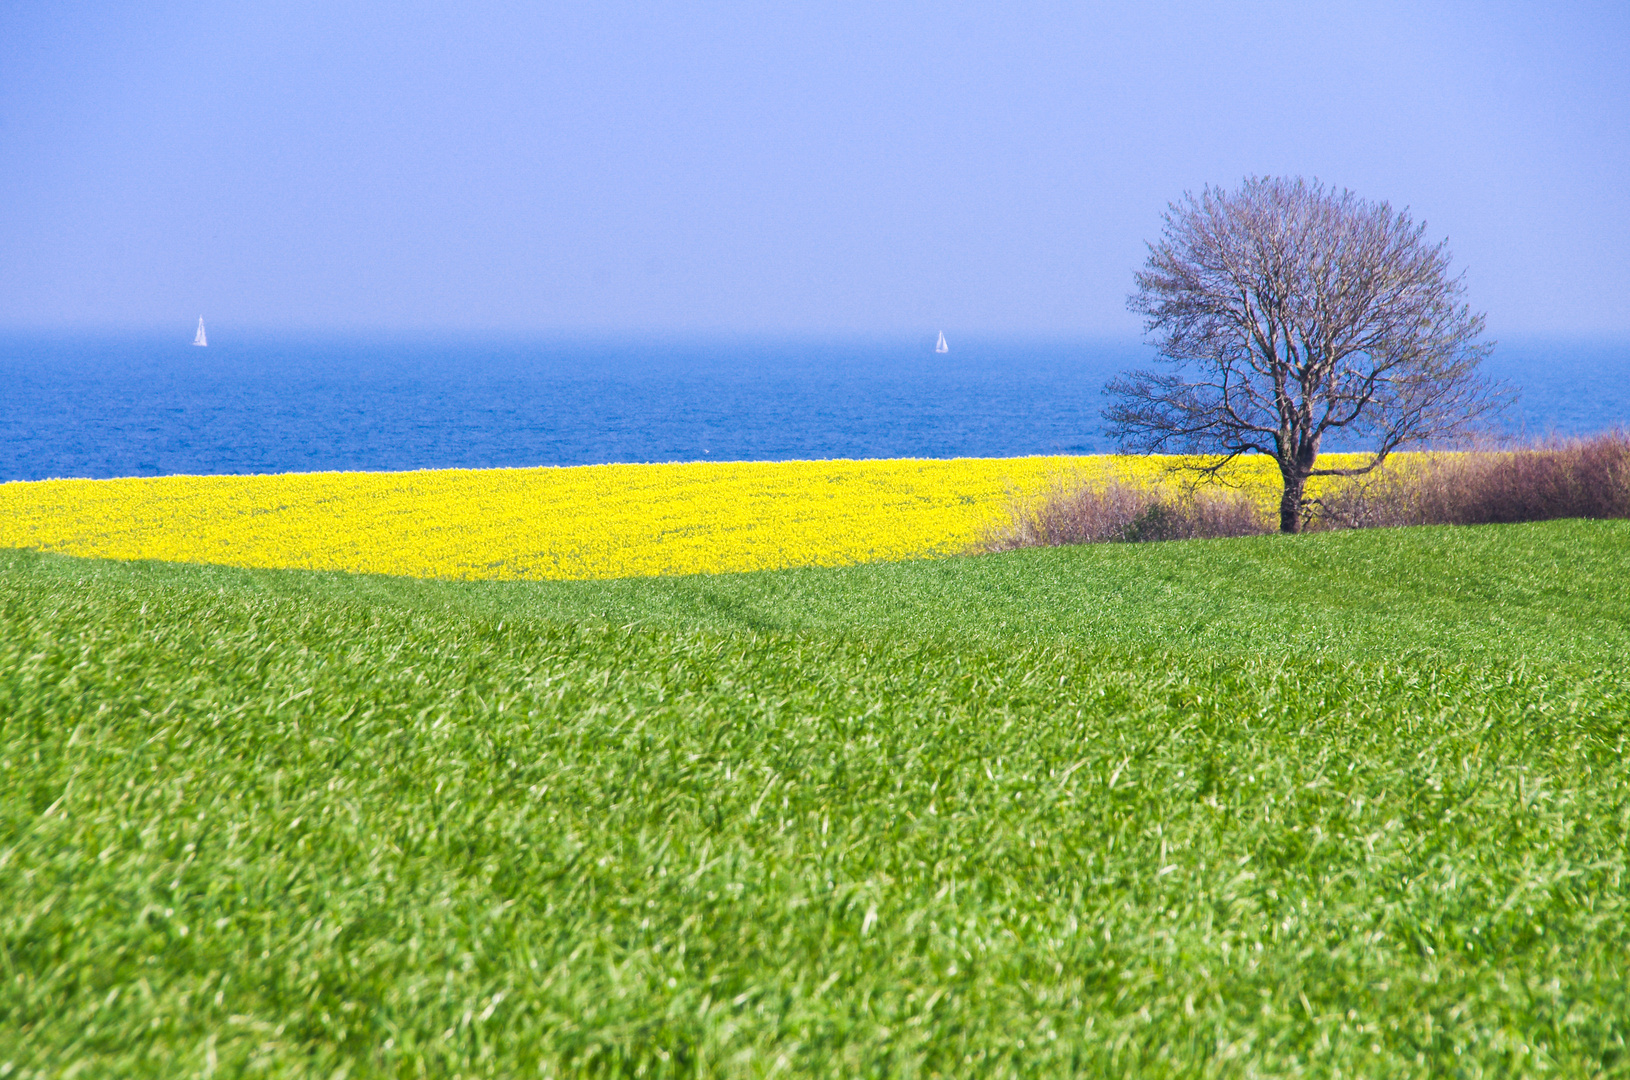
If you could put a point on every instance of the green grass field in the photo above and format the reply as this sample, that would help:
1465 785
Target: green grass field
1350 804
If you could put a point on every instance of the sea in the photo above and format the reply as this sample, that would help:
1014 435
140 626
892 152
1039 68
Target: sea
145 405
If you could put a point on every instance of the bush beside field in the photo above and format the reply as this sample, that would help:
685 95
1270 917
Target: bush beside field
283 823
1588 478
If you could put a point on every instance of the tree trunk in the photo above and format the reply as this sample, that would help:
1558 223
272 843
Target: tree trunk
1290 503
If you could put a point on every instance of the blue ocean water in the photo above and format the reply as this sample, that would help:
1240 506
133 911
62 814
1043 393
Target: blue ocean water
134 406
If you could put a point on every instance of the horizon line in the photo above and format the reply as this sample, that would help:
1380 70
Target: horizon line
259 329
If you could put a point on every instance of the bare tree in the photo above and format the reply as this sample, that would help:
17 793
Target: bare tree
1287 312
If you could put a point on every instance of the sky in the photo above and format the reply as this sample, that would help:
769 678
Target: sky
618 167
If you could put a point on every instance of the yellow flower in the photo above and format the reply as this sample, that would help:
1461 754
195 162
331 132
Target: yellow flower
596 521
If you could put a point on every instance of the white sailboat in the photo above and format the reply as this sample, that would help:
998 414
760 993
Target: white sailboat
939 346
199 338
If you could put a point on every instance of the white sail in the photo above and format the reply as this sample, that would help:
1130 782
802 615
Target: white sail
939 346
199 338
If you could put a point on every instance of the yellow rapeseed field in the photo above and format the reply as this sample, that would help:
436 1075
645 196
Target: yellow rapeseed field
595 521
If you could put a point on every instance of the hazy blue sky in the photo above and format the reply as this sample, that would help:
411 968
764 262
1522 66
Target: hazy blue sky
607 165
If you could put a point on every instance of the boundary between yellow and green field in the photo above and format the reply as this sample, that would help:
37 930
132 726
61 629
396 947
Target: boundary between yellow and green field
581 522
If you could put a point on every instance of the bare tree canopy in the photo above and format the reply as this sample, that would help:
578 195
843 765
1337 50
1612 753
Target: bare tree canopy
1286 312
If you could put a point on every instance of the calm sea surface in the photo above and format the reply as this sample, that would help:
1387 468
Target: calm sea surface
133 406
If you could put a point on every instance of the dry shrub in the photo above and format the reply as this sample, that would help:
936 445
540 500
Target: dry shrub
1074 512
1580 479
